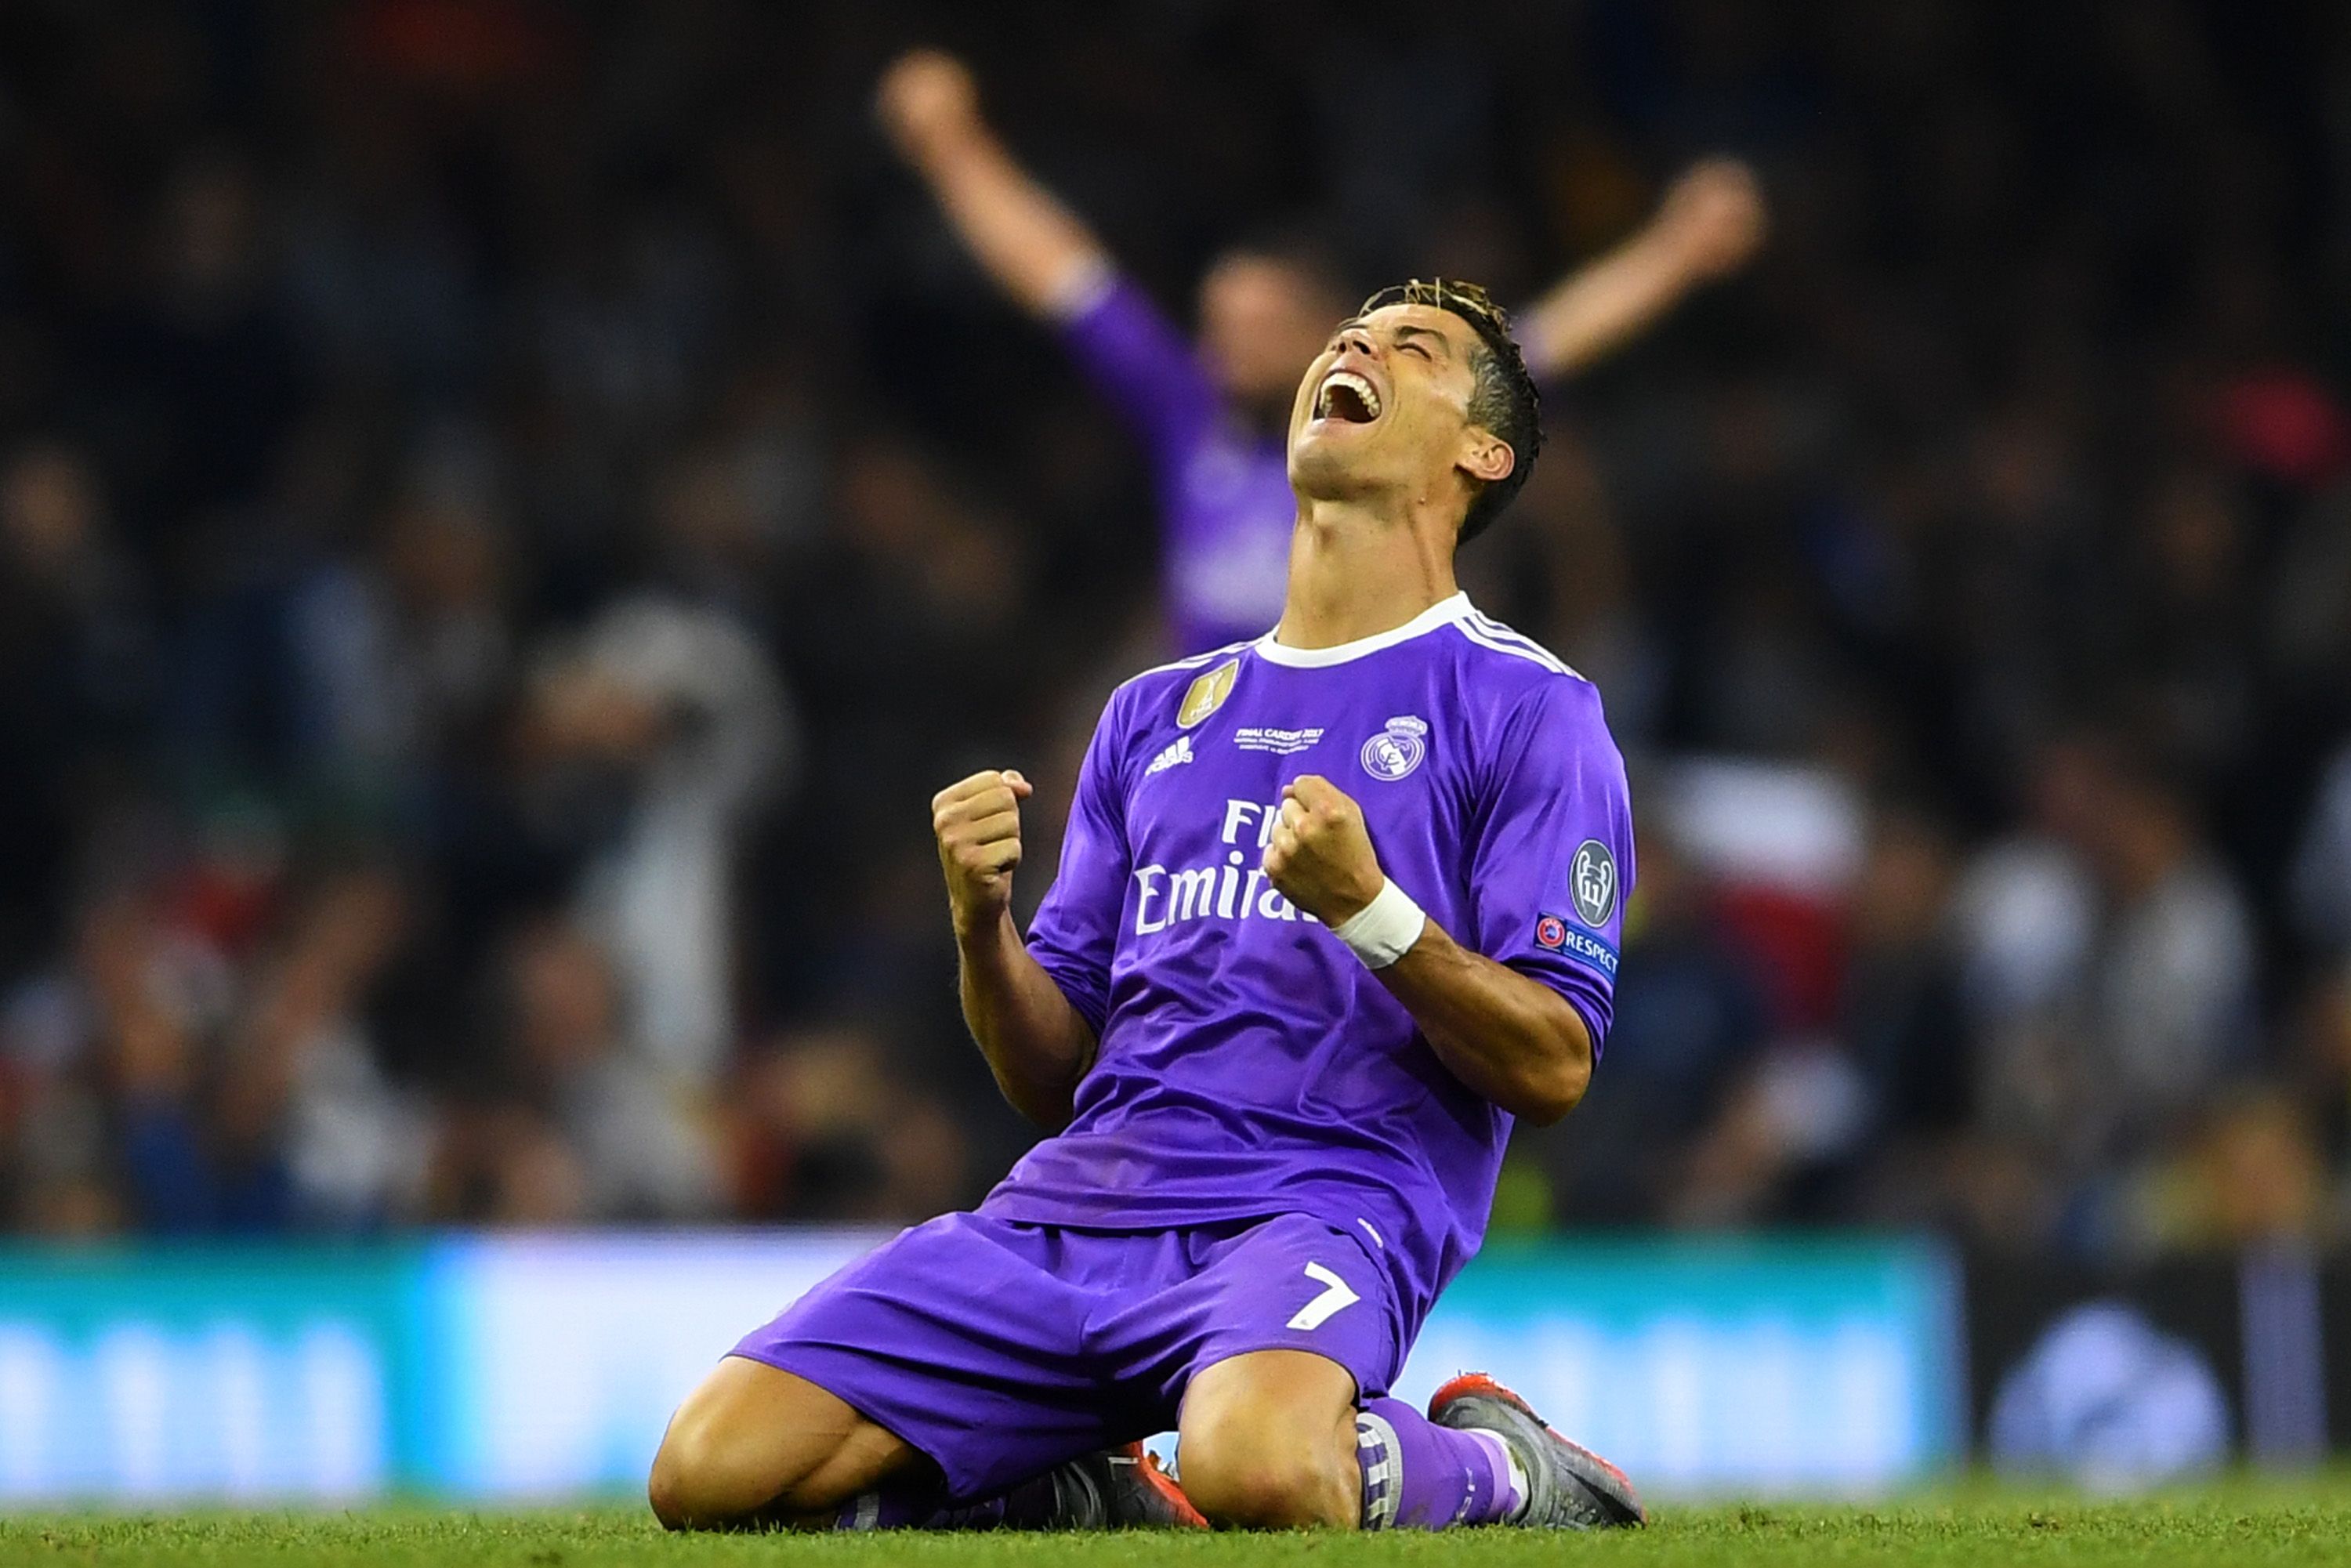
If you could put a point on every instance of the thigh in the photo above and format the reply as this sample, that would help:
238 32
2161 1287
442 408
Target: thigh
1289 1283
960 1338
755 1445
1282 1399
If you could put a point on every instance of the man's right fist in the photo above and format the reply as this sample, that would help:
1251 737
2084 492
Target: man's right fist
925 97
978 824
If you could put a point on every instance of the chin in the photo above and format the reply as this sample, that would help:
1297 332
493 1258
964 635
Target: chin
1329 466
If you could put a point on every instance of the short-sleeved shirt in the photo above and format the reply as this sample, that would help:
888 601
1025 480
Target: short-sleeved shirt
1249 1064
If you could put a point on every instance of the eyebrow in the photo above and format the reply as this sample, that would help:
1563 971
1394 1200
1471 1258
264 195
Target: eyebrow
1401 330
1404 328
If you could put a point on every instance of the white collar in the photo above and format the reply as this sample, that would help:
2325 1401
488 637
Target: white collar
1443 612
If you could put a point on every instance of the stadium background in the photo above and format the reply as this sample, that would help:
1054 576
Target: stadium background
507 512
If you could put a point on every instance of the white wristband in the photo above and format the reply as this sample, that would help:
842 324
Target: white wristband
1385 929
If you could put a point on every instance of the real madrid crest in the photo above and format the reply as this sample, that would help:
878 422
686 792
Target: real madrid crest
1397 750
1207 693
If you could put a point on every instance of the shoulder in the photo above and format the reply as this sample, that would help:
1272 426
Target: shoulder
1532 699
1160 691
1175 674
1501 652
1518 678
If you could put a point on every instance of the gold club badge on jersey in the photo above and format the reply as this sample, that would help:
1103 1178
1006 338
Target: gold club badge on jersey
1207 693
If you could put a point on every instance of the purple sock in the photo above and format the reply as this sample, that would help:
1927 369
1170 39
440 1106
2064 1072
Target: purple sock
1419 1476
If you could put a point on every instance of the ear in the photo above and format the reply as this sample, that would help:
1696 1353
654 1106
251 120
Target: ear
1485 457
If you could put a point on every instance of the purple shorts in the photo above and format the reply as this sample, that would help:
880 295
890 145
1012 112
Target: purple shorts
1001 1349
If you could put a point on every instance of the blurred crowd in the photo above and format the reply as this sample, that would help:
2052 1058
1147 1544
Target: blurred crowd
508 510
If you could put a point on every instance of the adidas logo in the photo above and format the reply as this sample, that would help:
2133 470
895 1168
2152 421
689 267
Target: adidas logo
1179 752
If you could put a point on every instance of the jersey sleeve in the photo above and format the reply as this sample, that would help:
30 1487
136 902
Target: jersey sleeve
1138 359
1076 927
1553 858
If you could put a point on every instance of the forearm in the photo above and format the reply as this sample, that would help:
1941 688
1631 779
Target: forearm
1036 1043
1710 222
1601 305
1031 245
1512 1039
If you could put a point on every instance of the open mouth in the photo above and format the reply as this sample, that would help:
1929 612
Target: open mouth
1348 398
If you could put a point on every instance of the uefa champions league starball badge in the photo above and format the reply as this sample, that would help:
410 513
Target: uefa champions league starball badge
1594 880
1397 750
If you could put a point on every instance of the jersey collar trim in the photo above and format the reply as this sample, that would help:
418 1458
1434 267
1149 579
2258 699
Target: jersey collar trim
1444 613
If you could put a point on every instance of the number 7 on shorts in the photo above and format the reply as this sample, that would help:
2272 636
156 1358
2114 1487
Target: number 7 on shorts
1335 1297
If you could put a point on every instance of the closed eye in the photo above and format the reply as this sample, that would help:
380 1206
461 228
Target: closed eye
1413 346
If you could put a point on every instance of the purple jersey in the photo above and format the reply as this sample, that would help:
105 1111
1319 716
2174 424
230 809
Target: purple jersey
1249 1064
1224 501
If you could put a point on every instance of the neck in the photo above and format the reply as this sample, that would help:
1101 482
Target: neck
1356 570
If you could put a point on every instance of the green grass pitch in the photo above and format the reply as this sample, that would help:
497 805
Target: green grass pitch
2231 1522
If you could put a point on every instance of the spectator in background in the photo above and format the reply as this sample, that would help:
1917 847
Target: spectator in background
2319 1071
2172 986
826 1130
2248 1174
2320 885
2134 1010
597 1127
1212 417
194 383
679 711
76 657
1900 1017
1899 1012
302 1083
406 650
2025 917
1690 1019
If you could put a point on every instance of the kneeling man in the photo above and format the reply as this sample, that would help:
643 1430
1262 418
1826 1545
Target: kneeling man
1334 907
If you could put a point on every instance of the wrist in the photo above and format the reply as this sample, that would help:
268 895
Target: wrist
982 930
957 143
1385 929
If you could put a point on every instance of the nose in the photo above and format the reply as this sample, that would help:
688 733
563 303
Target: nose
1358 340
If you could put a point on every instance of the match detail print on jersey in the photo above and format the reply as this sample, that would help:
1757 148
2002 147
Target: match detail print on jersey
1336 1297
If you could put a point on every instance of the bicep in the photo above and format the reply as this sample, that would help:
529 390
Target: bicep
1076 932
1553 864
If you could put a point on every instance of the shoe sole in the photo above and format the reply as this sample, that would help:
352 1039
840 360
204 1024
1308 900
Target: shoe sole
1612 1486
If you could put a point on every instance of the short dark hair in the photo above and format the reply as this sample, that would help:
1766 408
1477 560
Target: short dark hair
1503 401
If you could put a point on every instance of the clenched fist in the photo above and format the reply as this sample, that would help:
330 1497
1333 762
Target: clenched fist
925 99
1320 856
978 824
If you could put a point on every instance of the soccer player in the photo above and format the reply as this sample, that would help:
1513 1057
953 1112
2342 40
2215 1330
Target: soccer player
1334 907
1212 418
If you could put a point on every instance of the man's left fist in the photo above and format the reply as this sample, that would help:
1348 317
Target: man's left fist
1320 856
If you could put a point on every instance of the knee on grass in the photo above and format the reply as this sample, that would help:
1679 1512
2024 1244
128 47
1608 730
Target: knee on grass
1242 1481
703 1479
